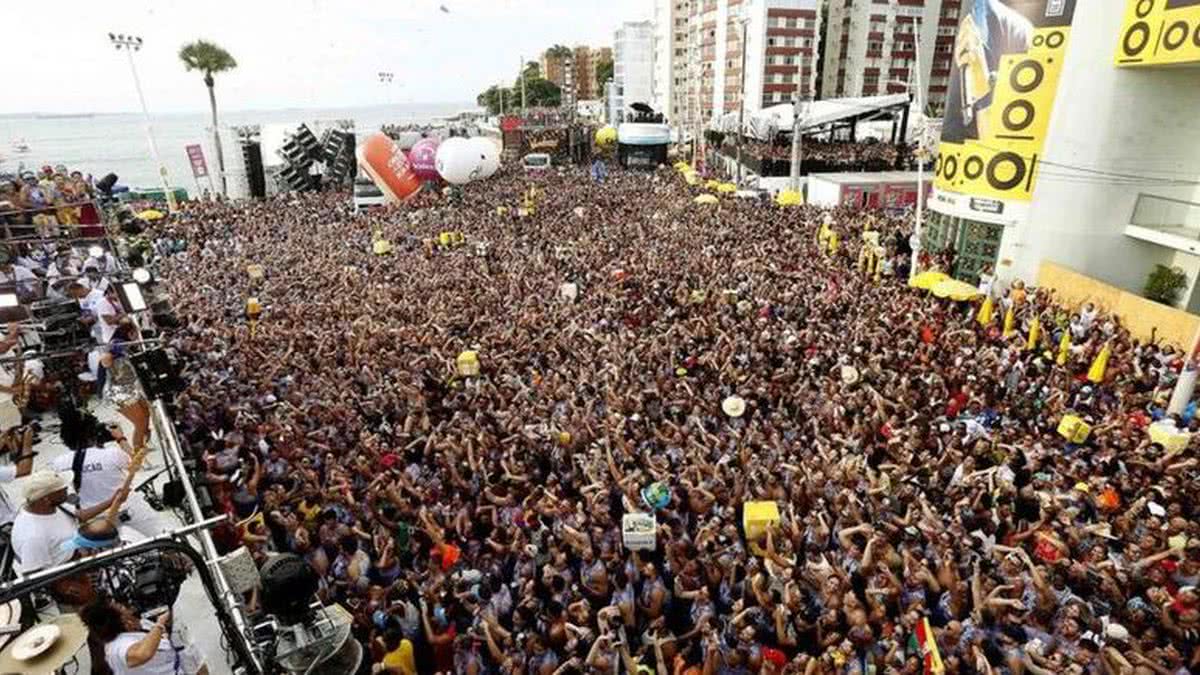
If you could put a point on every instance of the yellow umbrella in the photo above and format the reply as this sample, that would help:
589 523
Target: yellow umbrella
712 184
151 214
1009 322
789 198
985 312
683 167
726 188
1096 372
927 280
1035 334
1064 348
606 136
692 178
706 199
955 290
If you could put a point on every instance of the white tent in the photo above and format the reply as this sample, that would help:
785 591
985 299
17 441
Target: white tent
768 121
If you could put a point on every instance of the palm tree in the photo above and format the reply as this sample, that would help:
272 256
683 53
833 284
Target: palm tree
208 58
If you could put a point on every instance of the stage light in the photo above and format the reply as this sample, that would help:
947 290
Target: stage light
142 275
9 300
95 251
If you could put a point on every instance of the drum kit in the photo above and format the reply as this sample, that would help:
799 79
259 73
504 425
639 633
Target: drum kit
44 648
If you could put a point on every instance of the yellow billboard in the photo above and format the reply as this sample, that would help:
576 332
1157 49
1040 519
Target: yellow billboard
1008 55
1159 33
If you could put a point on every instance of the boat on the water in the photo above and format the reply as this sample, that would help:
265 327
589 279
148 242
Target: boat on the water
20 147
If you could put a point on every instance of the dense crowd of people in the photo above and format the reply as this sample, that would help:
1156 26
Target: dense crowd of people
825 156
45 200
451 435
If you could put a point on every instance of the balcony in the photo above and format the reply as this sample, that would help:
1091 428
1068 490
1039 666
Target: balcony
1168 222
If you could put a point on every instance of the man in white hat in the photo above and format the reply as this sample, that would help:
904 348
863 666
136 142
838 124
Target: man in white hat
43 526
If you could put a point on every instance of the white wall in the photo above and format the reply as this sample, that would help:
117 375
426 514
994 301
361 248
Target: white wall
823 192
1138 122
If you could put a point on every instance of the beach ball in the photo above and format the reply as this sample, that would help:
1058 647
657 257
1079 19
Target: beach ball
489 155
423 158
656 495
458 163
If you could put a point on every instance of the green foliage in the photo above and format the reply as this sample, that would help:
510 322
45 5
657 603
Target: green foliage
539 92
206 57
1165 284
559 50
604 73
490 99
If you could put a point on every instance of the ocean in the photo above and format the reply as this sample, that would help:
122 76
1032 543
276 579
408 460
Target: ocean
116 143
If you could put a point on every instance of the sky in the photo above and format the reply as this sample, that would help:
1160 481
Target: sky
290 53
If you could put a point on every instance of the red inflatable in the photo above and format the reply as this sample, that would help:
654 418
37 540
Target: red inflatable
387 166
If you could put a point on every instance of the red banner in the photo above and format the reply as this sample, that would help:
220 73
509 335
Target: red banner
196 156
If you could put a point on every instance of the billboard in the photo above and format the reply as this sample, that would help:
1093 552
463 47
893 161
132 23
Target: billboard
1159 33
1008 55
196 158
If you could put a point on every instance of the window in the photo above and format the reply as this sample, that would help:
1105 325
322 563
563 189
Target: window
791 23
874 46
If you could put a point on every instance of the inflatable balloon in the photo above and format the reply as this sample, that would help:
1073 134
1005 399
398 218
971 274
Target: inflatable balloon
489 155
424 158
458 163
385 163
606 136
408 139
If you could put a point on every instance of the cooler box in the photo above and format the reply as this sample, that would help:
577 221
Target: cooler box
638 531
756 518
1074 429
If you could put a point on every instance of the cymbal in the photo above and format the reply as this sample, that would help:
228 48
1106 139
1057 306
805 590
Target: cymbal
72 637
10 613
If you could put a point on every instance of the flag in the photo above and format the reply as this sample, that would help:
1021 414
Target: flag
1064 347
1035 334
1010 319
929 649
1100 364
985 312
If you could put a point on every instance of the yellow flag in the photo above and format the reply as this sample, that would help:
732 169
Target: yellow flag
1064 347
1100 364
985 312
1010 320
1035 334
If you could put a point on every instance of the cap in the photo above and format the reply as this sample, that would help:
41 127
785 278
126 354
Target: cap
42 484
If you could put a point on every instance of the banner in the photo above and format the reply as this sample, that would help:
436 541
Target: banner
1159 33
196 157
1008 55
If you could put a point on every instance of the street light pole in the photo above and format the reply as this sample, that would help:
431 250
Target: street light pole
800 107
131 44
918 229
745 21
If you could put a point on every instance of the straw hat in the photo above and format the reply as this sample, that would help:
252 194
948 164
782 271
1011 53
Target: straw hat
734 406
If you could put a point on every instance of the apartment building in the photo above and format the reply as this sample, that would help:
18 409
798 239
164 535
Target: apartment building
874 47
574 70
671 58
633 69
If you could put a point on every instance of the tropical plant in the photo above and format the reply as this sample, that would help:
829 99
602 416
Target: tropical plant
209 58
1165 284
604 73
497 99
559 50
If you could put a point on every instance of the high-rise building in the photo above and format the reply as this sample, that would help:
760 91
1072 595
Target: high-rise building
574 70
874 47
586 61
671 58
633 69
781 44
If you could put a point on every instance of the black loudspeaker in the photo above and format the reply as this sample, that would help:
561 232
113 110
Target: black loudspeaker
252 158
157 374
105 185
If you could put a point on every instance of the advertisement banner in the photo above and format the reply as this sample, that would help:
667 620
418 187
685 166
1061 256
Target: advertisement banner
1008 55
1159 33
196 157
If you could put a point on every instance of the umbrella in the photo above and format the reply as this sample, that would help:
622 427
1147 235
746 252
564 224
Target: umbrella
927 280
789 198
955 290
726 188
712 184
151 214
706 199
691 177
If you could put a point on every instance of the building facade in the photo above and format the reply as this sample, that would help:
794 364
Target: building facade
671 58
1089 155
747 51
574 71
633 69
874 47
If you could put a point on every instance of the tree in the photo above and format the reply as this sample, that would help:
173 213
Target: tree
604 73
559 50
209 58
493 101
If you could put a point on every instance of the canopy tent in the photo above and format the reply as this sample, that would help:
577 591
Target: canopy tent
764 124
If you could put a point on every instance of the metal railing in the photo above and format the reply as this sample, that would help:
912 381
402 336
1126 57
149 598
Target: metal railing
1177 216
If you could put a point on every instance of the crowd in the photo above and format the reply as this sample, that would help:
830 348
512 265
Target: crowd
829 156
451 435
45 200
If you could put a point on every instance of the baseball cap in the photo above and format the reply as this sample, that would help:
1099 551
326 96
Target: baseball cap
41 484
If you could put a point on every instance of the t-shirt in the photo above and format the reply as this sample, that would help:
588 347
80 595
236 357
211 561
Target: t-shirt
116 654
401 658
7 475
103 472
100 307
38 540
